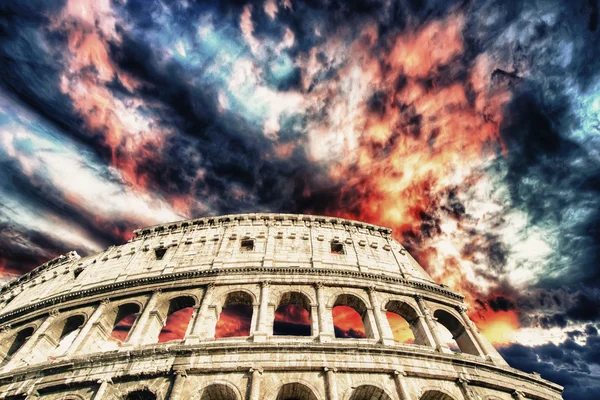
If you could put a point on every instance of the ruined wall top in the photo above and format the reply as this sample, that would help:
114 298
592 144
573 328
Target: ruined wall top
243 244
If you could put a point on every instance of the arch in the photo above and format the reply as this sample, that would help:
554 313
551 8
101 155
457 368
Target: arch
292 316
435 394
296 391
143 394
411 317
456 328
220 391
123 320
15 342
178 317
350 319
235 315
73 397
64 332
369 392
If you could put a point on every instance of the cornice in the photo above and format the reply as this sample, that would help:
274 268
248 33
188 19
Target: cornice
213 272
232 219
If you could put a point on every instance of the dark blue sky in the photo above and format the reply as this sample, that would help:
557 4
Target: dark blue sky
470 128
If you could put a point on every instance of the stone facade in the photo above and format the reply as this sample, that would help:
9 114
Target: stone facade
56 320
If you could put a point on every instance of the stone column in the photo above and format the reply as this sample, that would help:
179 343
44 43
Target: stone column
255 383
84 332
383 327
431 324
332 392
101 389
487 350
463 383
261 334
28 349
325 333
199 331
178 384
6 333
315 326
400 381
518 395
139 329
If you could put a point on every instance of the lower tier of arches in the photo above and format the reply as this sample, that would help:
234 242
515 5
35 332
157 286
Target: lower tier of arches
288 375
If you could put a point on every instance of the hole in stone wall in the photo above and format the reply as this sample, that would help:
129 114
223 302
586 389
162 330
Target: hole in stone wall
247 244
77 272
160 252
337 247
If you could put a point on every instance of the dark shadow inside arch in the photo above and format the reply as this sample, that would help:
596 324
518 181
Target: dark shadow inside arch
124 320
461 341
67 335
218 391
178 319
292 317
369 392
235 317
435 395
295 391
144 394
18 341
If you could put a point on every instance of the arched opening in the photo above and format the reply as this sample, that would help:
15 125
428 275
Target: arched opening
292 317
235 316
69 331
435 395
218 391
454 334
350 318
295 391
178 318
400 328
123 322
404 322
369 392
18 340
143 394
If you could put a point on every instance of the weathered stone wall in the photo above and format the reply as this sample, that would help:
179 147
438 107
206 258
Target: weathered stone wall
265 257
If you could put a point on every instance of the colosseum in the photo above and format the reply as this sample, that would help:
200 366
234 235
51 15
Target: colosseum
260 306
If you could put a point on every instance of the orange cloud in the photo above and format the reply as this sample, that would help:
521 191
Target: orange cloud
176 325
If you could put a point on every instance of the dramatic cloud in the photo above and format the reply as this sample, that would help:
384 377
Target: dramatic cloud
470 128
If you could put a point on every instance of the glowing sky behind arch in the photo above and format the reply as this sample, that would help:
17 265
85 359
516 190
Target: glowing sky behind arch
470 128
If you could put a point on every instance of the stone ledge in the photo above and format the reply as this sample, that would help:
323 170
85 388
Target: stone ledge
53 301
224 220
178 352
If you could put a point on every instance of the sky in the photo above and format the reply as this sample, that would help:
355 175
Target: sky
470 128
